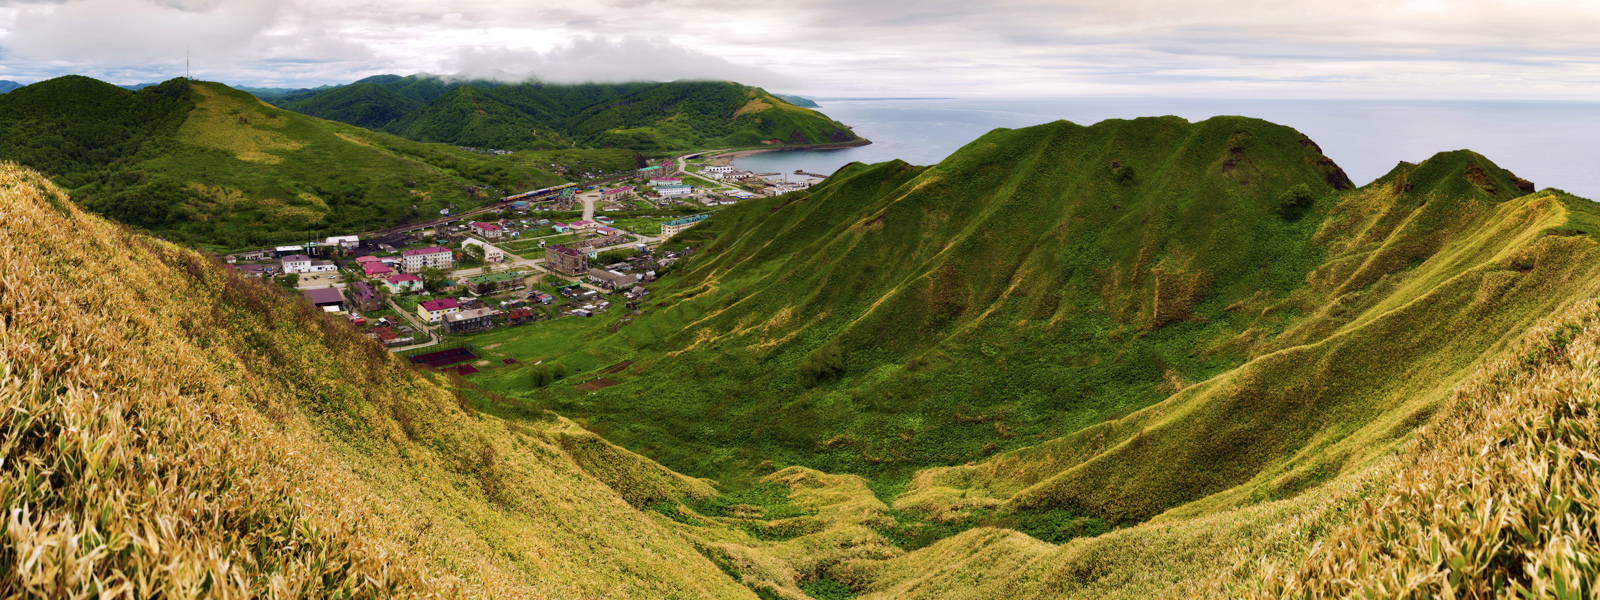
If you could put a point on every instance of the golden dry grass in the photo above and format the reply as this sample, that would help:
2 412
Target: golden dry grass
238 126
185 432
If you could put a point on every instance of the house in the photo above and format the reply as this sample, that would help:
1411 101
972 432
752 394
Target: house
365 297
253 270
404 282
469 320
414 261
497 282
566 261
490 253
675 191
612 280
250 255
368 259
543 298
615 193
519 315
657 183
376 269
582 225
295 263
671 228
328 298
605 220
488 230
607 231
433 311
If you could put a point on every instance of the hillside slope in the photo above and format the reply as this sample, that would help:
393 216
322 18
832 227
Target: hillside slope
639 116
188 432
201 162
1138 384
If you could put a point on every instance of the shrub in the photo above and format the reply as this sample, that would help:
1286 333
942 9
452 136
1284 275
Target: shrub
822 365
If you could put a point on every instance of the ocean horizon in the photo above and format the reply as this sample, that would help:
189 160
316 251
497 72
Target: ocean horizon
1551 143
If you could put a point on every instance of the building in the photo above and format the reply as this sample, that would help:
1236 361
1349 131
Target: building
499 282
490 253
376 269
607 231
364 297
469 320
437 257
282 251
402 283
612 280
519 315
582 225
489 231
328 298
651 171
345 242
566 261
656 183
675 191
251 255
671 228
719 170
368 259
295 263
615 193
434 310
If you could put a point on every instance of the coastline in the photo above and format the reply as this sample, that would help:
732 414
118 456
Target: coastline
726 158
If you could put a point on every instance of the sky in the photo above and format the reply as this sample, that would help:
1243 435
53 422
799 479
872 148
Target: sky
1389 49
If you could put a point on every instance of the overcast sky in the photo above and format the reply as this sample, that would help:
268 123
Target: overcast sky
1237 48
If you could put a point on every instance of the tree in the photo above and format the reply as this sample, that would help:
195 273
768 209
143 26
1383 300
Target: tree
558 371
290 281
1295 201
473 251
484 289
541 375
432 279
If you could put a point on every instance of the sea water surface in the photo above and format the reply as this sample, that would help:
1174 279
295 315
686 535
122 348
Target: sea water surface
1553 144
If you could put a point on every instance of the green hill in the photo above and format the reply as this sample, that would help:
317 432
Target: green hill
1195 337
6 86
202 162
365 105
1139 359
641 116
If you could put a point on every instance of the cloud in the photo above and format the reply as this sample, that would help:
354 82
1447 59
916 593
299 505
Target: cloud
118 33
594 59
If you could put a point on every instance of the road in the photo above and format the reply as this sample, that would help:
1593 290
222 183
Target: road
683 168
416 323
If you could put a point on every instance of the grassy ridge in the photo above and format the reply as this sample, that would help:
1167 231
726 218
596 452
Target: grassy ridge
201 162
654 117
189 432
1024 289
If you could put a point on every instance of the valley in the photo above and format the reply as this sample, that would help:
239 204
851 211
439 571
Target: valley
1139 358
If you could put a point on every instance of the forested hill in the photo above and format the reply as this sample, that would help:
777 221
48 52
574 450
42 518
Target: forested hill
6 86
644 116
204 163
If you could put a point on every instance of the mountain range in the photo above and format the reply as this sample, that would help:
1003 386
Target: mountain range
205 163
645 116
1143 358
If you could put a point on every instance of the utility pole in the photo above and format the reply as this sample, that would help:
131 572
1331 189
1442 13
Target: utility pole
186 74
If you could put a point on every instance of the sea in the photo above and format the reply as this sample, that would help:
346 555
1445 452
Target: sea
1551 143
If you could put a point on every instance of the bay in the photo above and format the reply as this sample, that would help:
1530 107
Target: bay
1553 144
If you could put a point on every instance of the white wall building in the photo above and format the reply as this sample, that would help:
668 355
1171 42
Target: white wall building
437 257
490 253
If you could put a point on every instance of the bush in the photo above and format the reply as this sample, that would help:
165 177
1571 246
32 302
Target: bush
822 365
1294 201
542 376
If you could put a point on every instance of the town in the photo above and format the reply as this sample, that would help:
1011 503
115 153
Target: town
505 264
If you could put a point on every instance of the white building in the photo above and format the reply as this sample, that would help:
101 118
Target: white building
675 191
348 242
490 253
300 263
437 257
719 170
